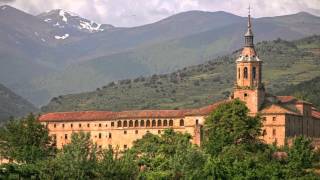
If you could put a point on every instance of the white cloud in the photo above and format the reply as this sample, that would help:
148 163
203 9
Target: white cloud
138 12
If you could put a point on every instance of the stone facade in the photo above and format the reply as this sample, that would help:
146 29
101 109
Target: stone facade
283 117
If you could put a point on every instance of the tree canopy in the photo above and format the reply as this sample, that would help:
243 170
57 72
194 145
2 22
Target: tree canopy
231 150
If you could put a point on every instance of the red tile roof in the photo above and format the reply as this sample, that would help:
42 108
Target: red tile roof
316 114
286 99
276 109
108 115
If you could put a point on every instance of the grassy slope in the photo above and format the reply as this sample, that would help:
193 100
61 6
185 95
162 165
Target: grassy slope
285 63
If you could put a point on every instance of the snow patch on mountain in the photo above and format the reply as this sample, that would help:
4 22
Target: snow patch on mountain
61 37
72 23
90 26
62 13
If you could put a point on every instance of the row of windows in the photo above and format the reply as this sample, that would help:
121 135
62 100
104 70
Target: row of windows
100 135
136 123
147 123
273 118
274 132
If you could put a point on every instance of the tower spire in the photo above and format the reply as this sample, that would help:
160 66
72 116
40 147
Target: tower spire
249 34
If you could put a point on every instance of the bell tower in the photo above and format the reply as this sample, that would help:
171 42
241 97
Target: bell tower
248 85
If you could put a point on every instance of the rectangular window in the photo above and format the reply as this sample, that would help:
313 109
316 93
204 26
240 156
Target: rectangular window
66 136
54 125
79 125
274 132
88 125
136 132
71 125
273 118
112 124
125 146
62 125
110 135
99 135
99 125
125 132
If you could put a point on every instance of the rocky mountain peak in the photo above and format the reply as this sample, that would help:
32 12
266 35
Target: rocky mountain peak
69 20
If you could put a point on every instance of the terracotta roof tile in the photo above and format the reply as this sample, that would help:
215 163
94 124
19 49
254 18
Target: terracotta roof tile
286 99
276 109
107 115
316 114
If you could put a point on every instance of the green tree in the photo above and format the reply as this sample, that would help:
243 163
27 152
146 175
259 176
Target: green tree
25 141
77 160
113 166
230 124
169 156
300 156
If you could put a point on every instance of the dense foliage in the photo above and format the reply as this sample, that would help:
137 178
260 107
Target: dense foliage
231 150
285 63
308 90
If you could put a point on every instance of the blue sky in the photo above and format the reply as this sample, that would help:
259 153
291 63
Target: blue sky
139 12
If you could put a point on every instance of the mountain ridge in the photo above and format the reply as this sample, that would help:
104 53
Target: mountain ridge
54 59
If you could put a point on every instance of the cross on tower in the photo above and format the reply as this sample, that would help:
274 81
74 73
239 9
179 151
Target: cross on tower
249 9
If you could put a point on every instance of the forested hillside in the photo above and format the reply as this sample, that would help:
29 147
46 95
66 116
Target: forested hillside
13 105
308 90
285 63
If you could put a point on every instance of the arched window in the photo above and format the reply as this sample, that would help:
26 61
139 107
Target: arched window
171 122
142 123
238 73
197 122
148 123
254 72
165 123
130 123
153 123
136 123
125 124
245 72
119 123
159 123
181 122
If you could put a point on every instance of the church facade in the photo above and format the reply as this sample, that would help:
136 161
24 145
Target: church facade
283 117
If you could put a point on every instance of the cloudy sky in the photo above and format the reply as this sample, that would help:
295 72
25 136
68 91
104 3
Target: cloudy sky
138 12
